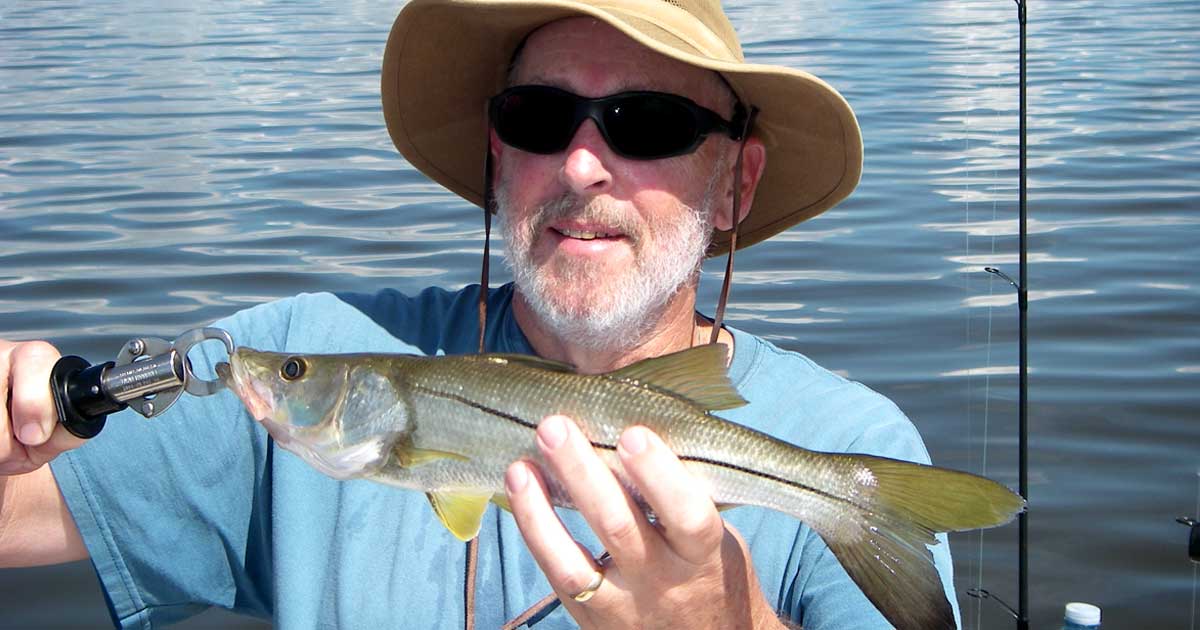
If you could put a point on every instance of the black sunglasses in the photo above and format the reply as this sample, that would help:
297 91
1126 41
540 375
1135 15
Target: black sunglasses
636 125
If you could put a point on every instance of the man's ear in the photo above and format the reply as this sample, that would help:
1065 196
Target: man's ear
754 161
496 148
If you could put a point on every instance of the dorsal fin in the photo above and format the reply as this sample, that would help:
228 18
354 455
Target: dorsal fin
697 374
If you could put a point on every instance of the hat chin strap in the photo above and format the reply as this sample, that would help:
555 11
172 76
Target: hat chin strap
488 209
733 234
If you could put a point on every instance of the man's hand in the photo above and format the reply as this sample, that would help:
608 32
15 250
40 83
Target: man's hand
688 569
30 434
35 526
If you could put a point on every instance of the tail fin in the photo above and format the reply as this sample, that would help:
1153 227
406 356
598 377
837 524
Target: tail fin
881 541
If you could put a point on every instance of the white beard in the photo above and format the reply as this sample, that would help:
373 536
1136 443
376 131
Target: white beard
589 307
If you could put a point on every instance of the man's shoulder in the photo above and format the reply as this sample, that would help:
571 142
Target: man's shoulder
764 365
433 320
818 408
433 298
389 306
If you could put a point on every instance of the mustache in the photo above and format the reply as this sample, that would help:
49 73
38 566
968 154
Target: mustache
569 206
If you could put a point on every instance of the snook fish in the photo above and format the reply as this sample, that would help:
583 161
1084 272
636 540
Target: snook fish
450 426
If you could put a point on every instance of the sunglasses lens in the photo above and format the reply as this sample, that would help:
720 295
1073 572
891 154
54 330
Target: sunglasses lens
637 125
650 126
538 121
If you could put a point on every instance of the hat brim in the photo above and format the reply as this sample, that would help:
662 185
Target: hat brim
445 58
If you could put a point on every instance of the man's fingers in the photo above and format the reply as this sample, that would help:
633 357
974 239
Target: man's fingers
685 511
568 567
34 418
616 520
60 441
33 415
30 434
8 442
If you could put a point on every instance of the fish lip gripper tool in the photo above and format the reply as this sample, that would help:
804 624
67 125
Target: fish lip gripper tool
148 375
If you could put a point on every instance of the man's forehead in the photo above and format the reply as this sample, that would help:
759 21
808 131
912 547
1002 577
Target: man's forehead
585 53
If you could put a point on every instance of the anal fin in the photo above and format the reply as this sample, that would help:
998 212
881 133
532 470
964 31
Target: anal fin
460 512
501 500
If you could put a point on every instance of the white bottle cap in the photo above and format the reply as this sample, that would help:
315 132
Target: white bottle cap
1082 614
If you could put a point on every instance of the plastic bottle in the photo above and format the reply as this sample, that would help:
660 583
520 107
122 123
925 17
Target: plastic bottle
1081 616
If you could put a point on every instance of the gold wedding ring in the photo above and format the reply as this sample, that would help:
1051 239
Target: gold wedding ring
590 590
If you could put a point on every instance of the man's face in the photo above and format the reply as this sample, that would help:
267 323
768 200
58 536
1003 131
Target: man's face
599 243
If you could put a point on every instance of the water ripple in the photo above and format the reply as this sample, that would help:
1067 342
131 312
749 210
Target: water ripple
164 164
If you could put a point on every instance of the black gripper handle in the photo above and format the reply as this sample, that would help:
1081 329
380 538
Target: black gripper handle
83 405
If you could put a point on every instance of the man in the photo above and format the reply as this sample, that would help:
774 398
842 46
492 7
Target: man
608 206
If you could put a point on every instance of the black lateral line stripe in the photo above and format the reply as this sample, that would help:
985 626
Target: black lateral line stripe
499 414
756 473
612 447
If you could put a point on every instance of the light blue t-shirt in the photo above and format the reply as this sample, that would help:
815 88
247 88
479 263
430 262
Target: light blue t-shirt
198 507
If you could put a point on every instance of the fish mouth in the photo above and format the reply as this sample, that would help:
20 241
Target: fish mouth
256 398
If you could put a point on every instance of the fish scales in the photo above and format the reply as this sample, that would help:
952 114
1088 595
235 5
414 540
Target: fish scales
450 426
501 401
519 402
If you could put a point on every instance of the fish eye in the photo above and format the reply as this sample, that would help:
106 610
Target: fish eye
293 368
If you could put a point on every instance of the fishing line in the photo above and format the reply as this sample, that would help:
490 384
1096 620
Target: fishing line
987 377
994 188
1021 614
978 604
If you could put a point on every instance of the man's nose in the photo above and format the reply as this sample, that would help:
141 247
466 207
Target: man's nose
584 170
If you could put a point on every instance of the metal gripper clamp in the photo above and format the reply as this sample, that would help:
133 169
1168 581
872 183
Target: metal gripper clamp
149 375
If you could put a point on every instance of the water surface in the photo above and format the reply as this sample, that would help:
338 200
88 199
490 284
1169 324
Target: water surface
165 164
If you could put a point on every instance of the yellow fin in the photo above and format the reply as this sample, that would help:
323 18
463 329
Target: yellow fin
460 512
501 500
697 374
410 456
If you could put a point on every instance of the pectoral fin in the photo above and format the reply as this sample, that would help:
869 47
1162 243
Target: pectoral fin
411 456
460 512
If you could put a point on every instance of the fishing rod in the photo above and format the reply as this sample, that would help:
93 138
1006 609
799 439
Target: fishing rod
1021 285
1023 386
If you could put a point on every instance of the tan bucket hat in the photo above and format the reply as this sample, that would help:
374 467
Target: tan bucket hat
446 58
